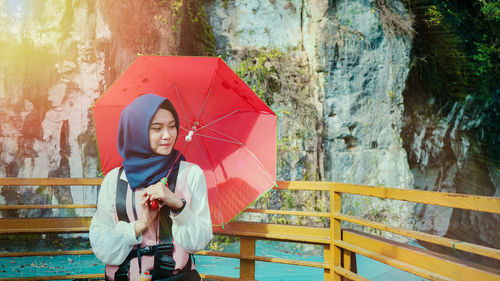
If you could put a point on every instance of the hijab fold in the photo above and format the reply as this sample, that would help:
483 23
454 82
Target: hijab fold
142 166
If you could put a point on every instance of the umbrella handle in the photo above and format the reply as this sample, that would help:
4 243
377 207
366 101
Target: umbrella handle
189 137
154 205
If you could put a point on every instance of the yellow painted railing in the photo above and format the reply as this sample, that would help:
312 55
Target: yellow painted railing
339 244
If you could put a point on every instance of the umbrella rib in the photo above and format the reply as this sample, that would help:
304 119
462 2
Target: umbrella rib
205 136
227 115
209 92
204 153
246 148
182 104
185 129
216 120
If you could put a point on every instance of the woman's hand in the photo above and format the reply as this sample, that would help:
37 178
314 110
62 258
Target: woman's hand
160 192
147 217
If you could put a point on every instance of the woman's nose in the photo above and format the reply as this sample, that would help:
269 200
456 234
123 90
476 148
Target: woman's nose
165 134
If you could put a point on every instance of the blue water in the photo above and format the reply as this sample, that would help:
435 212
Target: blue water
49 265
88 264
264 270
367 268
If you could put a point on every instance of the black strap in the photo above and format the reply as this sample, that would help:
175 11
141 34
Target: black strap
122 273
121 198
133 205
165 220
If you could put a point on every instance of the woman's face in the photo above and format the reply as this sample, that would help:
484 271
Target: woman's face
162 132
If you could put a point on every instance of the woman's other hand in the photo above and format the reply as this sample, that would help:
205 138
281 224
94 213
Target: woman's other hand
147 216
160 192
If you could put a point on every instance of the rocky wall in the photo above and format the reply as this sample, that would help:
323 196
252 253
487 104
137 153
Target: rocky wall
57 58
342 121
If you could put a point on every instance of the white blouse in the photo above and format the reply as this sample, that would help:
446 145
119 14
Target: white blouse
112 241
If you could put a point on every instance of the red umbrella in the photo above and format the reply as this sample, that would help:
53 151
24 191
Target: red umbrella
232 132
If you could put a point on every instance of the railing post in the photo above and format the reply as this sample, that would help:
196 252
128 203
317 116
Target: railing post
346 260
328 272
335 233
247 267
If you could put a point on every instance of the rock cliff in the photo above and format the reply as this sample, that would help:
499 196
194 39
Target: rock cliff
336 72
342 121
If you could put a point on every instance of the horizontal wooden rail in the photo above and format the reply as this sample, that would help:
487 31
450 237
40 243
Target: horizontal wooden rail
390 261
422 262
45 225
50 181
264 259
452 200
291 213
447 242
288 233
67 206
303 185
350 275
222 278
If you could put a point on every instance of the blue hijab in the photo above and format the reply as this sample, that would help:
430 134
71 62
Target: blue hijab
142 166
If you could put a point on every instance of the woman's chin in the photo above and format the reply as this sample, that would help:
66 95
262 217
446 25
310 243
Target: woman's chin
164 151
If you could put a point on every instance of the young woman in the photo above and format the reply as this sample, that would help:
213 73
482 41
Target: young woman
127 232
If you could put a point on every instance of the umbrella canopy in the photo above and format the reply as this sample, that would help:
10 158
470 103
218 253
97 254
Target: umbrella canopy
225 128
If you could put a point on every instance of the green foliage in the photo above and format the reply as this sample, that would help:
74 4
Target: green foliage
457 52
289 201
286 147
259 73
391 95
491 10
433 15
280 220
219 242
484 58
176 9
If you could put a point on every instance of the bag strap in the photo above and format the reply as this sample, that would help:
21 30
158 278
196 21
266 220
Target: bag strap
122 273
121 197
165 234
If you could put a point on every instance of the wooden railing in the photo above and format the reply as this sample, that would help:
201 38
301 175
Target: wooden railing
339 244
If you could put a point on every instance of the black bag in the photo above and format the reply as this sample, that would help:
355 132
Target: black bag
189 275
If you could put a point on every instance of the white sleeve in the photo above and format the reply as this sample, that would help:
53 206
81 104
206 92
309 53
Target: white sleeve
192 228
111 242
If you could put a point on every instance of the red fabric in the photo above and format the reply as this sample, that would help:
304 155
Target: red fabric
240 167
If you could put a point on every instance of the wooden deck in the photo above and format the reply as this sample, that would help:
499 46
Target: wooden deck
340 245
